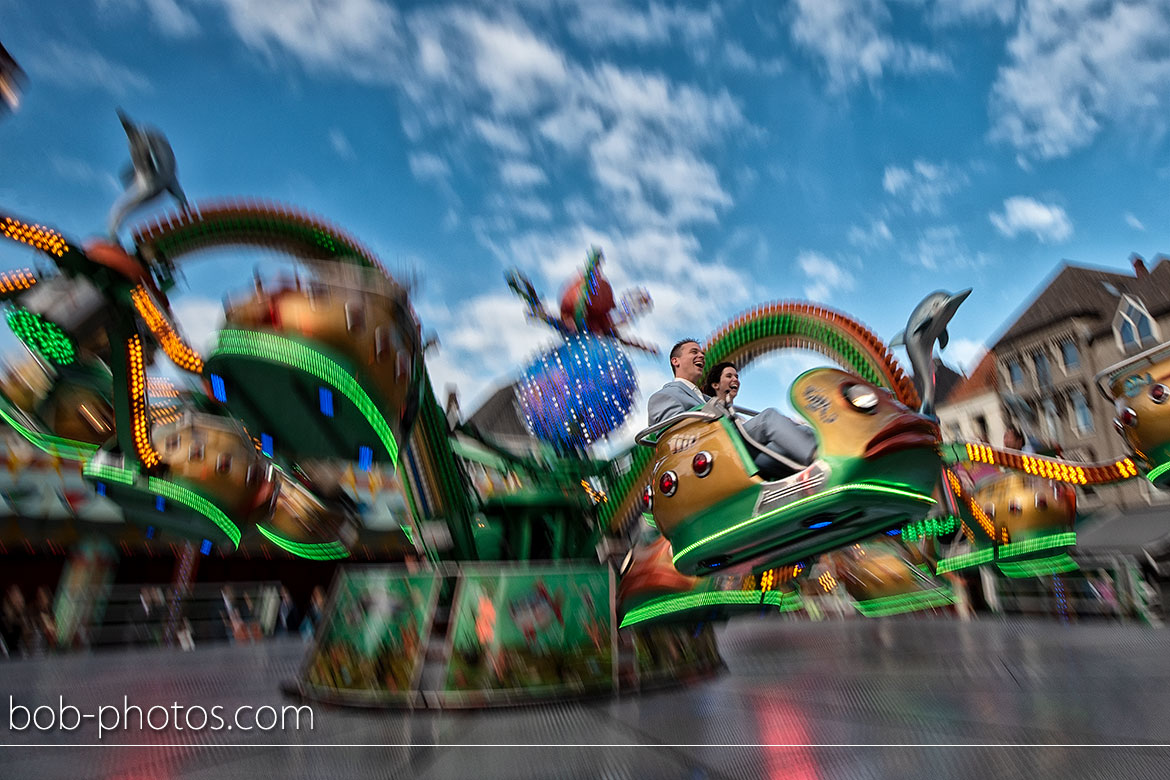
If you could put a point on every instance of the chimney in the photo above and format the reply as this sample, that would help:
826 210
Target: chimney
1139 268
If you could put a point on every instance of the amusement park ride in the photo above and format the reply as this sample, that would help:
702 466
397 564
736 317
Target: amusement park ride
330 369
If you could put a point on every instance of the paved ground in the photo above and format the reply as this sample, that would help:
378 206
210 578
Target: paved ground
902 682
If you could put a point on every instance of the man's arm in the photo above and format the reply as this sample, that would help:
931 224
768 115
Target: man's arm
667 403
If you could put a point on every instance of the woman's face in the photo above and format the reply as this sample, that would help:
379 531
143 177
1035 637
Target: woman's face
728 385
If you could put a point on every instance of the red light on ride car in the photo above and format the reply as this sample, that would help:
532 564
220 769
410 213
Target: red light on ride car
648 499
1015 507
1127 417
1159 394
1041 502
668 483
701 463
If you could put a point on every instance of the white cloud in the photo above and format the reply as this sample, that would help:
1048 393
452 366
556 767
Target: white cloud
358 38
736 58
516 68
618 22
1075 67
850 38
170 19
83 173
965 354
942 246
166 16
956 12
475 358
1133 221
1027 215
824 276
199 320
77 68
428 167
500 136
924 185
341 144
876 234
521 175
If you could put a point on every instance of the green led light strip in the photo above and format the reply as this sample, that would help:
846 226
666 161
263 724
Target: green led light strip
108 473
325 551
1159 471
905 602
669 605
932 526
267 346
784 601
1040 543
1056 564
862 487
42 336
193 500
976 558
54 445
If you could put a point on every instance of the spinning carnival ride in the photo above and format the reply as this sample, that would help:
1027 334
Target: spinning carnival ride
328 369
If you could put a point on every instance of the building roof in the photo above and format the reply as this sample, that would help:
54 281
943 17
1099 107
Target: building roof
500 416
1081 291
981 380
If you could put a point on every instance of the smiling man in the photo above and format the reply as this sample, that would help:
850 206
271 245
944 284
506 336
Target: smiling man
682 393
769 427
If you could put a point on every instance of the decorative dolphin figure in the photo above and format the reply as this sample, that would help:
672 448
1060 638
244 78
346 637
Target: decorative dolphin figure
928 324
152 171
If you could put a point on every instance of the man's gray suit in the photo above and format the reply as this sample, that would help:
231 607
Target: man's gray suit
769 427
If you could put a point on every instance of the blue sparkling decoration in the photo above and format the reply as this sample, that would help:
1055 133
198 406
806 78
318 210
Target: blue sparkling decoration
578 393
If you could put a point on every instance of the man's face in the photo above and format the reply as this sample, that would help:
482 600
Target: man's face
689 363
1012 441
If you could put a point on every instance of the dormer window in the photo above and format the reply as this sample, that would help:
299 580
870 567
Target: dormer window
1015 373
1133 326
1070 355
1043 370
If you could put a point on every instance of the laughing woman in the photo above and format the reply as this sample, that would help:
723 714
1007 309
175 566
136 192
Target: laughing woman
722 382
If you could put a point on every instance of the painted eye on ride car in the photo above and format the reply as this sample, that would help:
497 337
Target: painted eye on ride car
862 397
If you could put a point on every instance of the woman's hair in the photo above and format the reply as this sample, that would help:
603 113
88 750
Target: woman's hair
714 374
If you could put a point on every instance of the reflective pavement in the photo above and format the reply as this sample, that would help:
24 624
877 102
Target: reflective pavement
911 684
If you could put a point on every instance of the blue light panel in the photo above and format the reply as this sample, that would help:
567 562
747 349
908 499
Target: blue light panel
218 389
325 395
205 548
160 503
266 444
365 458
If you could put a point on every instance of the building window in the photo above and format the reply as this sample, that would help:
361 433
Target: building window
1133 325
1015 373
1082 417
1043 371
981 428
1049 418
1070 355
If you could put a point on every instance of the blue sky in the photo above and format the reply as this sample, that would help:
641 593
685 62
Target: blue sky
857 152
